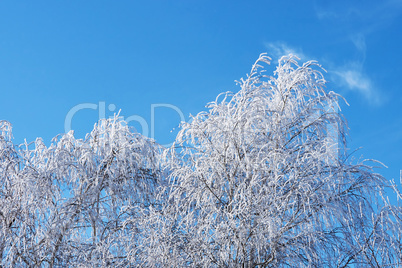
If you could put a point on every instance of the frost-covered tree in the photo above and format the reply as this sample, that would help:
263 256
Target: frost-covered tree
66 204
261 179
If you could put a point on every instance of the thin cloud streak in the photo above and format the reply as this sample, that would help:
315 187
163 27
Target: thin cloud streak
356 80
279 49
368 17
350 76
359 41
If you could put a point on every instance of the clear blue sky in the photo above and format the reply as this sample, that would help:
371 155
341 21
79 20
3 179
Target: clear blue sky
55 55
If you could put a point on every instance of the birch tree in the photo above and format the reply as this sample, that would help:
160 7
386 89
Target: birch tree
261 180
66 204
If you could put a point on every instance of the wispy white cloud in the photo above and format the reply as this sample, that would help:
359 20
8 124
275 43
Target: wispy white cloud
278 49
354 79
367 16
350 76
323 14
359 41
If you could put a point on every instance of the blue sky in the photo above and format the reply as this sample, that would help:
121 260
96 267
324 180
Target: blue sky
130 55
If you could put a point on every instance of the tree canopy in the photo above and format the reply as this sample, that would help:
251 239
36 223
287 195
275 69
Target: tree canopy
263 178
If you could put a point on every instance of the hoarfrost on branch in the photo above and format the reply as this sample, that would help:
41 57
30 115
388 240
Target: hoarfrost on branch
260 179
